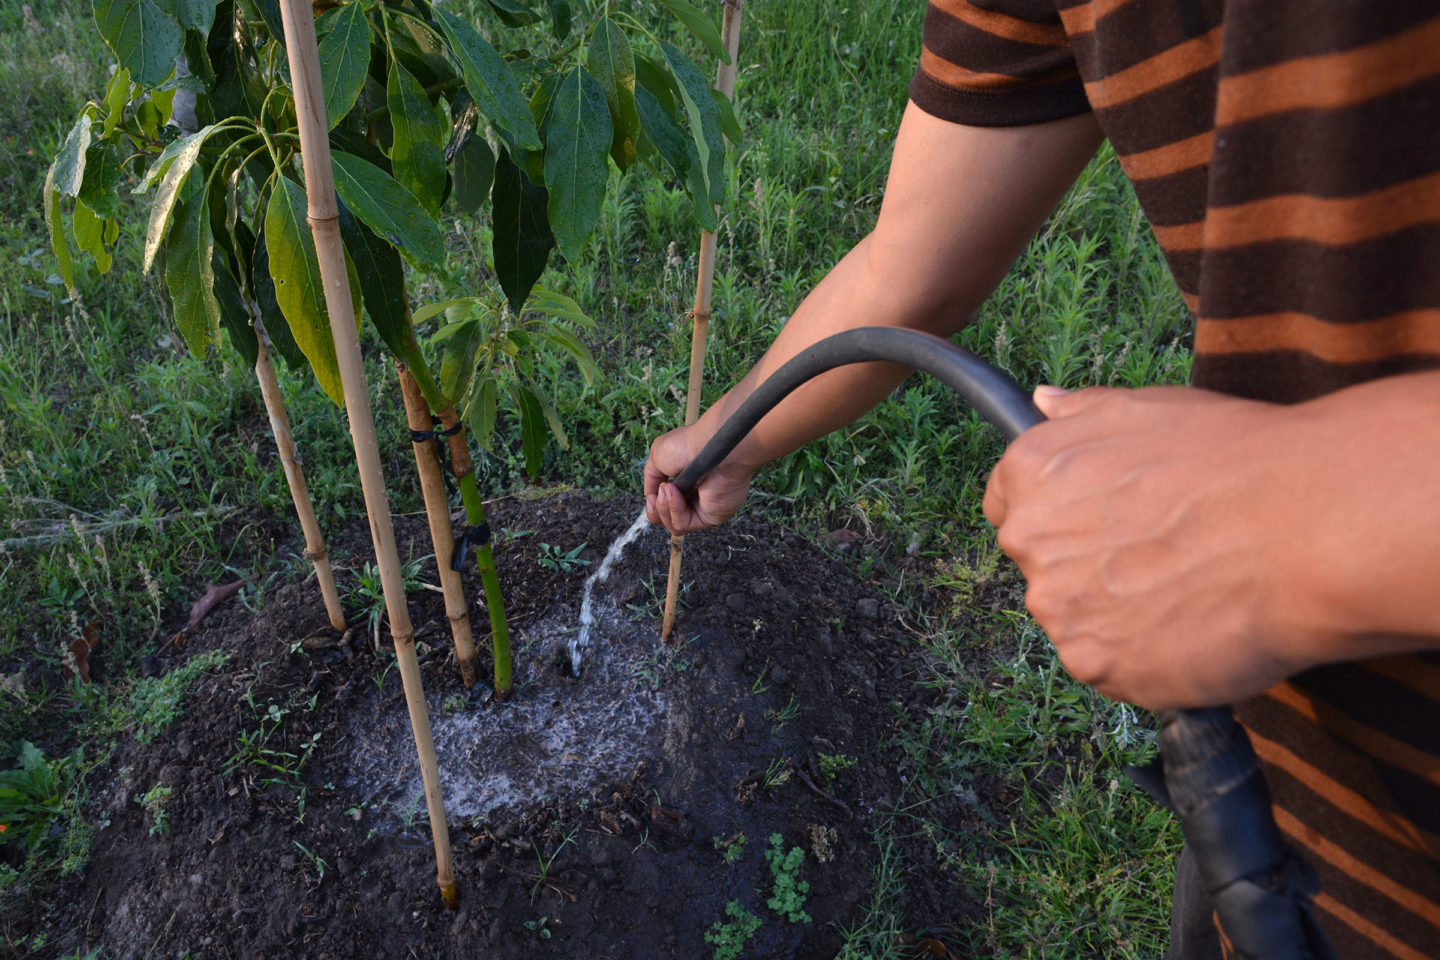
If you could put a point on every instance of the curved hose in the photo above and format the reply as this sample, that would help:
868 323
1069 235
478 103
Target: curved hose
1207 772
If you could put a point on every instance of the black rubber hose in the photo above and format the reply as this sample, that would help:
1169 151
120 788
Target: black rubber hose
1207 772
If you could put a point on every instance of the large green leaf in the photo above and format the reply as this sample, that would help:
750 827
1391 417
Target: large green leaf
344 58
488 79
69 164
457 363
299 291
166 193
271 317
729 123
532 427
512 13
417 155
269 12
143 35
51 203
189 271
522 237
390 210
610 59
382 282
195 14
482 413
116 96
234 314
474 173
576 168
679 152
704 118
699 23
561 17
90 235
104 169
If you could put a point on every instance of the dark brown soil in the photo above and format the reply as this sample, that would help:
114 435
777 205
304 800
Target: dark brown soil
788 656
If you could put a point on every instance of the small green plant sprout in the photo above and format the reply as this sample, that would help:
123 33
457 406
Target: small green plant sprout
315 859
561 561
731 847
455 703
777 773
729 937
153 802
541 927
787 898
832 763
784 715
545 863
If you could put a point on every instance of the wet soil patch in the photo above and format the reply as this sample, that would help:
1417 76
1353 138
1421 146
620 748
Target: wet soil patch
610 816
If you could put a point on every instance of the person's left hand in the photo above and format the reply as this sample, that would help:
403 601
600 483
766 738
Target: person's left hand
1149 525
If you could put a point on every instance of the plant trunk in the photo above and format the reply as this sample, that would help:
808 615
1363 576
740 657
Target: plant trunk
700 316
295 476
437 511
464 469
324 224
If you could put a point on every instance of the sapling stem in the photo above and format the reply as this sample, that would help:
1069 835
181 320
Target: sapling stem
295 477
464 469
700 316
437 512
323 216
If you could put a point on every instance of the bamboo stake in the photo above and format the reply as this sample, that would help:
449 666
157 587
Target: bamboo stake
295 476
442 537
324 224
700 332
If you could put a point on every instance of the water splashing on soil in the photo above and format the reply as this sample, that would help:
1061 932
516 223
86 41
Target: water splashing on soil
587 614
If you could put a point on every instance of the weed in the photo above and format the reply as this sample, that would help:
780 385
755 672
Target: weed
783 716
33 795
316 861
264 748
155 701
787 897
541 927
561 561
153 802
547 862
729 937
831 764
777 773
732 847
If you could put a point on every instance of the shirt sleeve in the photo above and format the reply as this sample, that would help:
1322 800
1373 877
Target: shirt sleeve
996 63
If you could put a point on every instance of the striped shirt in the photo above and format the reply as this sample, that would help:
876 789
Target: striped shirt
1287 156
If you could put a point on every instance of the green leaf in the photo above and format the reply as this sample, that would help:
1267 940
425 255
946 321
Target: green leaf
165 195
558 305
344 59
104 168
474 174
90 235
532 427
488 79
561 18
161 164
189 270
271 317
116 96
269 11
234 315
482 413
390 210
575 159
729 123
435 309
522 238
195 14
457 363
679 152
581 354
417 155
299 291
700 24
142 34
704 118
51 203
512 13
551 418
382 282
69 164
653 77
610 59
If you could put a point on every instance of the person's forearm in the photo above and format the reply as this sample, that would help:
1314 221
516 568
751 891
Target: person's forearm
901 275
1364 524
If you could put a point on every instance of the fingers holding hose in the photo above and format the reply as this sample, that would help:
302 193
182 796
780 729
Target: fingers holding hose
715 499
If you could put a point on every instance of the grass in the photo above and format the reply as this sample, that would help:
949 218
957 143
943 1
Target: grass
132 475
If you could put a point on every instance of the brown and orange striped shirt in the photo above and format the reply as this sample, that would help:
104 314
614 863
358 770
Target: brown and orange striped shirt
1287 155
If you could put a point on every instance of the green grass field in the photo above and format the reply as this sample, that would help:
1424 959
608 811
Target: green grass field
132 474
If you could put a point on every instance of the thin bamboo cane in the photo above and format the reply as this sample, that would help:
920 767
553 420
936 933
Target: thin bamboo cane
442 537
700 316
324 224
295 476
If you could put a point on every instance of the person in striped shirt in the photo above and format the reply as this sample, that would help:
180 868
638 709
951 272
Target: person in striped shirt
1270 535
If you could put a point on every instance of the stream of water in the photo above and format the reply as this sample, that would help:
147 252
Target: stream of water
587 612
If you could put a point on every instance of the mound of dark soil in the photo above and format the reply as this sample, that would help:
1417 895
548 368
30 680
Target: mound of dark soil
572 836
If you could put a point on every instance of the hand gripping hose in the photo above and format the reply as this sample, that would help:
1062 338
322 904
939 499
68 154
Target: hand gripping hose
1206 772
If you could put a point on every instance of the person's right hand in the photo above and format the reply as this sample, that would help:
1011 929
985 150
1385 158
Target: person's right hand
713 501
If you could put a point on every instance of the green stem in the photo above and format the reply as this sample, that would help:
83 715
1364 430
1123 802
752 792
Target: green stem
474 515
